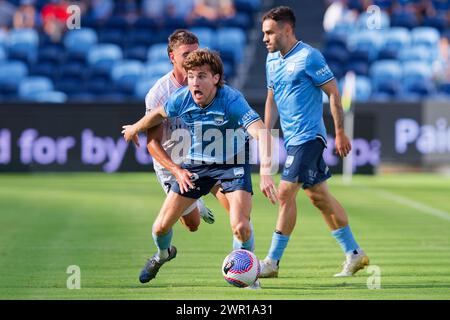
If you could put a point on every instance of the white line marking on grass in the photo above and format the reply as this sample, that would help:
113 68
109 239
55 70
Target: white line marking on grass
414 204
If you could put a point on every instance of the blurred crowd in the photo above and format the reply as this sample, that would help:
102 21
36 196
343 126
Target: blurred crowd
51 16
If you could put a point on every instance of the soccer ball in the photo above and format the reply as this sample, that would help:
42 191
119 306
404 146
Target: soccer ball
240 268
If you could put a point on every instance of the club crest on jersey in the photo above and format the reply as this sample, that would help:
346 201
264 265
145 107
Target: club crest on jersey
218 120
289 161
290 67
238 172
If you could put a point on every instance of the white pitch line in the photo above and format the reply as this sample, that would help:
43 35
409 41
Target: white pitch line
414 204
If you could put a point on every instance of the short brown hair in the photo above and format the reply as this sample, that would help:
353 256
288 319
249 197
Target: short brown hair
201 57
180 37
281 14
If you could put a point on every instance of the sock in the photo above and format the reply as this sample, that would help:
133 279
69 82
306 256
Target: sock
247 245
279 244
344 237
163 244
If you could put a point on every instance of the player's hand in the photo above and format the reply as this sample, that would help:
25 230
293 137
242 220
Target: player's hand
183 177
129 133
268 188
343 145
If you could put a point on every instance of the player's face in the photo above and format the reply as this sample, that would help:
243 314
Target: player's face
275 35
202 84
179 54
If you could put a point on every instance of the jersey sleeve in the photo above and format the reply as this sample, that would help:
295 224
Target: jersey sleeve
242 113
151 100
317 68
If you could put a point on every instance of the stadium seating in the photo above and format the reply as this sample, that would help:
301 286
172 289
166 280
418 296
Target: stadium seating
11 74
23 44
125 75
30 86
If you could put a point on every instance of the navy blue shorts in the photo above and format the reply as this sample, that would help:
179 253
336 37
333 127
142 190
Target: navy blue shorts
206 176
305 164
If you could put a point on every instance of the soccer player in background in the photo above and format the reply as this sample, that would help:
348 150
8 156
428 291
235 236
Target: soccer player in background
159 139
296 75
207 106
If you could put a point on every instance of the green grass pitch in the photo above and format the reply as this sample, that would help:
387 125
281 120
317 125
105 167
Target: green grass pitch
102 224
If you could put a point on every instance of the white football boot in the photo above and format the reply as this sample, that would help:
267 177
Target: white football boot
255 286
269 268
353 263
205 213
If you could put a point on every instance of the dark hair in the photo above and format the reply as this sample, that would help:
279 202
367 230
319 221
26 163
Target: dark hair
180 37
281 14
202 57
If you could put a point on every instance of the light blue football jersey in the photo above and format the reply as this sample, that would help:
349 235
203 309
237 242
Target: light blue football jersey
218 130
295 80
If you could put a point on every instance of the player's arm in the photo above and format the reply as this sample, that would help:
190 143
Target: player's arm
154 147
259 131
151 119
271 111
343 144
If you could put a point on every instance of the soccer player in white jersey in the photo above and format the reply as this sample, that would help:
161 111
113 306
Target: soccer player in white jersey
159 139
296 75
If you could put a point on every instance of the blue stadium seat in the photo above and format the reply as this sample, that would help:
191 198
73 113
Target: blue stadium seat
333 39
23 45
51 53
115 36
157 53
386 76
32 85
336 54
11 73
416 77
404 18
232 40
136 53
158 69
437 21
142 87
73 69
3 55
419 53
101 57
3 38
359 67
395 39
50 97
206 36
425 36
366 41
46 69
125 74
383 4
78 42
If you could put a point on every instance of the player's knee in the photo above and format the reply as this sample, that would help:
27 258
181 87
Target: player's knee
161 229
286 196
318 199
192 227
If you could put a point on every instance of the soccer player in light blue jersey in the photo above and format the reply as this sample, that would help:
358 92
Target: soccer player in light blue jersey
211 111
296 75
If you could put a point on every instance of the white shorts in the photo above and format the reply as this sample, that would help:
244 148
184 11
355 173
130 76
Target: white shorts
165 179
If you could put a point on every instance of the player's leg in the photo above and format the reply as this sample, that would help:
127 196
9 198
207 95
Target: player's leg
217 192
170 212
287 218
240 202
337 220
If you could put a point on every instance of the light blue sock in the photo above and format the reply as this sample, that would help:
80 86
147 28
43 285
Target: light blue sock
163 243
247 245
279 244
344 237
